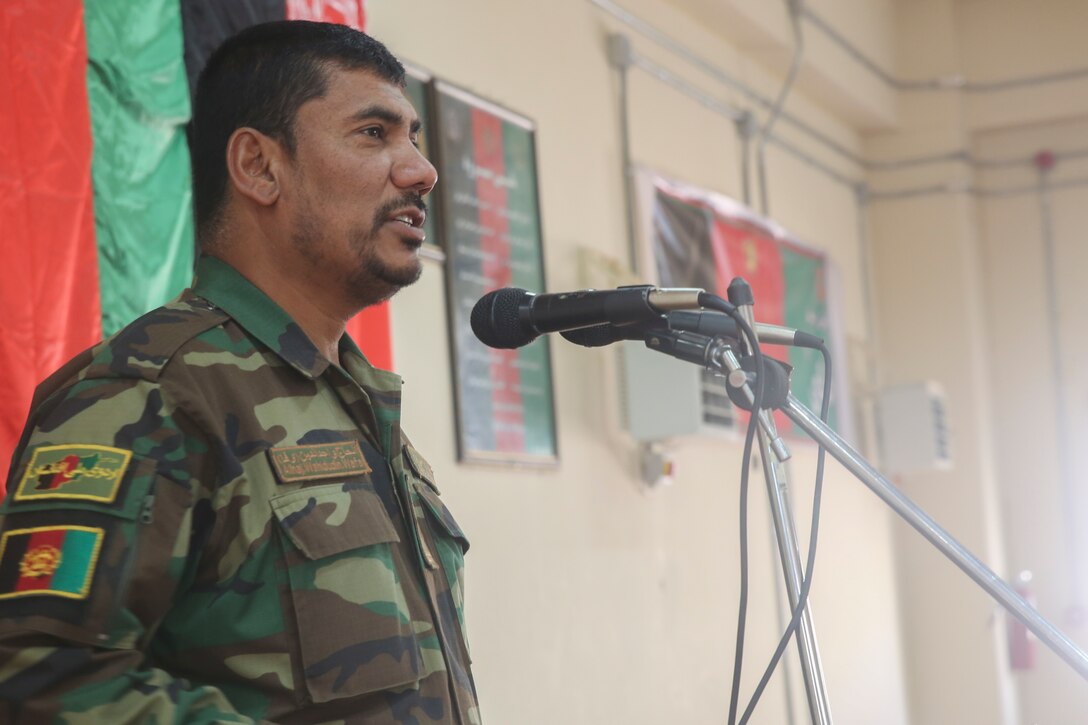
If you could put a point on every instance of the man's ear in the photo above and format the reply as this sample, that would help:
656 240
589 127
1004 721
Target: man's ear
253 163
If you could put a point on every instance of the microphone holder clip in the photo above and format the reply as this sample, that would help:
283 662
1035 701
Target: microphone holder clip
776 383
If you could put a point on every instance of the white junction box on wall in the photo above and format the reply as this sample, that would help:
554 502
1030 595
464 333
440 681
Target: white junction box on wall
665 398
912 425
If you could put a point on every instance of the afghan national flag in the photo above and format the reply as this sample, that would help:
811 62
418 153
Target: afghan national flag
49 560
701 240
95 191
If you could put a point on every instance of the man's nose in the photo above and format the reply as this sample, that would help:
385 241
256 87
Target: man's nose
413 171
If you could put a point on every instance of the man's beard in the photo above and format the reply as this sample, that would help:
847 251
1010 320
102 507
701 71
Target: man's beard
370 280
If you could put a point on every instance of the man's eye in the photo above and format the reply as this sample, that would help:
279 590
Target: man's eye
374 131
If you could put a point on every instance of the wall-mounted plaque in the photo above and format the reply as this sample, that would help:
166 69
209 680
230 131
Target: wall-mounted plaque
490 225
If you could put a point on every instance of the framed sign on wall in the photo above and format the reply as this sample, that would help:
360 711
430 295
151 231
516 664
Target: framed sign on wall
490 225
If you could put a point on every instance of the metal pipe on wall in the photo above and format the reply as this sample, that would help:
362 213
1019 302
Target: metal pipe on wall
794 10
744 120
978 191
746 128
872 331
1067 484
718 74
620 53
715 72
938 83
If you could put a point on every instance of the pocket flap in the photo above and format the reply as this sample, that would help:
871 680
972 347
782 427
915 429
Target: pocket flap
333 518
419 466
442 514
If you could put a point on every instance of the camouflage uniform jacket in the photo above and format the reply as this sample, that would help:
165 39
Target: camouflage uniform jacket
207 521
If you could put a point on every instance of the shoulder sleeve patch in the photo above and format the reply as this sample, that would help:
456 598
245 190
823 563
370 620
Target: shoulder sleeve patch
76 472
49 560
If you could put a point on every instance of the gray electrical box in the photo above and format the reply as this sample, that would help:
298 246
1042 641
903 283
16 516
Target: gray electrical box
912 422
664 397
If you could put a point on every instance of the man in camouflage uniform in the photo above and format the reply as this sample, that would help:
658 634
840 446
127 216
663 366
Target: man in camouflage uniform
214 515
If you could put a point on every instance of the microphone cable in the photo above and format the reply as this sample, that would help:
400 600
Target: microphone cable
714 302
806 583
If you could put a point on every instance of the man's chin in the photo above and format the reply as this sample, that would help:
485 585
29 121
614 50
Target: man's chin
378 282
401 276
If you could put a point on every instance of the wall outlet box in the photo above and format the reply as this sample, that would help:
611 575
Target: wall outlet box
912 426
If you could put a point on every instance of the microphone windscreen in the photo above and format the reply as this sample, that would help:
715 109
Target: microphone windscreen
496 319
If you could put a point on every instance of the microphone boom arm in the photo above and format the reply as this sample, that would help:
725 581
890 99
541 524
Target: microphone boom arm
982 575
718 354
914 515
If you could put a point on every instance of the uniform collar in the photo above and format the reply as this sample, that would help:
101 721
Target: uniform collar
225 287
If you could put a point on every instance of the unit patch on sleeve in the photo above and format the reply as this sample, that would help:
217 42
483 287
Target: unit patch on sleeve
322 460
88 472
52 560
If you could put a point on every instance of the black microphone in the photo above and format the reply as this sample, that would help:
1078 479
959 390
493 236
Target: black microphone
709 324
511 317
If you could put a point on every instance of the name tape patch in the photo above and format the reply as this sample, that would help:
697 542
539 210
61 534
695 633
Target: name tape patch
87 472
322 460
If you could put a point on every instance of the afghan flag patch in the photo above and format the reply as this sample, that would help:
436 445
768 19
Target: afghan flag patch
87 472
51 560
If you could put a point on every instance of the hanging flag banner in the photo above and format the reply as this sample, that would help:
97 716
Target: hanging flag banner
93 240
207 23
139 99
345 12
697 238
50 292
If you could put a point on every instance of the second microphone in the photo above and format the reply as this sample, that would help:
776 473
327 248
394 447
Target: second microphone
512 317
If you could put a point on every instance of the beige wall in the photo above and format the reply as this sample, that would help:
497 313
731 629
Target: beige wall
594 600
1011 509
1038 513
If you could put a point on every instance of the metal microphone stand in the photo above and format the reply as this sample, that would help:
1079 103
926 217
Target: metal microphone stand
722 357
773 452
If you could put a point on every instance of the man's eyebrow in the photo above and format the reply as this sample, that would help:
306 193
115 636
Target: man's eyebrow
384 113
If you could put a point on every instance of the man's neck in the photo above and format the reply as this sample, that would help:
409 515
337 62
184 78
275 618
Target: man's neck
296 297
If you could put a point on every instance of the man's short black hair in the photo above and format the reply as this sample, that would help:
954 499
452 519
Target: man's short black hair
259 78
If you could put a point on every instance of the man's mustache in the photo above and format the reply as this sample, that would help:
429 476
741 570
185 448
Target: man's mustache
393 205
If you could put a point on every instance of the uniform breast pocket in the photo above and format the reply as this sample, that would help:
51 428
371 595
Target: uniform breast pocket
449 540
355 633
451 546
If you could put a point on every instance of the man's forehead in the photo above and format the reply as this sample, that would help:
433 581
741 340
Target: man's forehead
353 90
